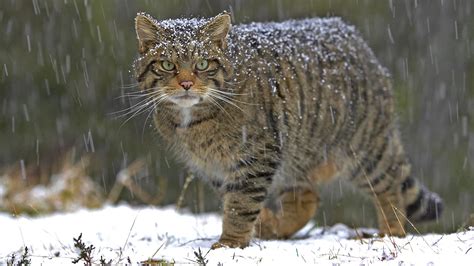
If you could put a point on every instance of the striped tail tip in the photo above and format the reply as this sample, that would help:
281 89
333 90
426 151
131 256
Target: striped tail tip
427 207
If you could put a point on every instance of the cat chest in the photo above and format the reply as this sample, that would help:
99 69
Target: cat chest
204 154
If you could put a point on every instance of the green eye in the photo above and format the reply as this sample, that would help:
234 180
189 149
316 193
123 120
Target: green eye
167 65
202 64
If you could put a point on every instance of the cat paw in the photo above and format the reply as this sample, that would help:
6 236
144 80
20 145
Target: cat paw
397 232
226 243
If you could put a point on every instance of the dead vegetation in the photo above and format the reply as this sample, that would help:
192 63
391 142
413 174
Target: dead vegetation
27 190
85 252
67 186
22 261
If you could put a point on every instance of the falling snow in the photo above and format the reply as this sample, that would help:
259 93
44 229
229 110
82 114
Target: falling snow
65 73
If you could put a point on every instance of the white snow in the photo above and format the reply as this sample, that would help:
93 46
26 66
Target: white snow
123 232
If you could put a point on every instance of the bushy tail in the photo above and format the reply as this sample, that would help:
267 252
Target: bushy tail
421 204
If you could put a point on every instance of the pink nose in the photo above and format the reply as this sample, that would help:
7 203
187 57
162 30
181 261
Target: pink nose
186 84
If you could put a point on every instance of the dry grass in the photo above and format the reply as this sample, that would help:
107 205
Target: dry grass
67 186
27 191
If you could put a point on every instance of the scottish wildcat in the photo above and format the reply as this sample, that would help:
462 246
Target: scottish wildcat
266 111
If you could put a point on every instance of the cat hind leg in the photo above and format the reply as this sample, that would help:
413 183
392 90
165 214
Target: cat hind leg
290 212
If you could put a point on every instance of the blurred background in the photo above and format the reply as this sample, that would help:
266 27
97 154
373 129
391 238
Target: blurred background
65 66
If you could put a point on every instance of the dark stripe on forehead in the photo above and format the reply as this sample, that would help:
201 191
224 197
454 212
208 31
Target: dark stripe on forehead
193 51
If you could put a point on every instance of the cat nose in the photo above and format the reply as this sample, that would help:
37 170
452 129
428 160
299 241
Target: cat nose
186 84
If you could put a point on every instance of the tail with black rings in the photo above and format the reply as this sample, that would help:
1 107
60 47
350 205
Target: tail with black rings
422 205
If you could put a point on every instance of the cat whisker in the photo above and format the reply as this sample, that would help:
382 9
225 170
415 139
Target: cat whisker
148 105
129 109
226 100
228 97
152 110
162 99
229 100
220 107
138 108
227 92
130 86
138 94
237 101
138 91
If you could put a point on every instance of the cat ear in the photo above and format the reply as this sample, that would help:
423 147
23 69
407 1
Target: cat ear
217 29
147 32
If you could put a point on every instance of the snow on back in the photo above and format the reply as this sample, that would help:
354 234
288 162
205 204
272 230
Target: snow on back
284 37
304 40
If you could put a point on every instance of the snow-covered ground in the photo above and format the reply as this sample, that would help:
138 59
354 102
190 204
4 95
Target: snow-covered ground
125 234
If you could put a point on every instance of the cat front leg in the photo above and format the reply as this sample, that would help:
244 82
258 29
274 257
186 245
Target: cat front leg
242 203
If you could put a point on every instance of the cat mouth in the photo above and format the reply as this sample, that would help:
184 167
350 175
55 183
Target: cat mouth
186 99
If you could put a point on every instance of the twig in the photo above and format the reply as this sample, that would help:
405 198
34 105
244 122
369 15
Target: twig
183 191
122 178
378 203
416 229
128 236
164 242
85 252
200 258
197 239
436 242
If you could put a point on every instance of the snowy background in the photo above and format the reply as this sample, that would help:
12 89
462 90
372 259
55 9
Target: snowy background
124 234
65 68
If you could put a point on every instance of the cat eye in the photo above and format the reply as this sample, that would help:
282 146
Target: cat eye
167 65
202 65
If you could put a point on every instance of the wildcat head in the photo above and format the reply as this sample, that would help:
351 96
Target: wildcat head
183 61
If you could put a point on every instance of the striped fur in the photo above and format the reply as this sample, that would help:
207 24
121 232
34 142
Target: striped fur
282 107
